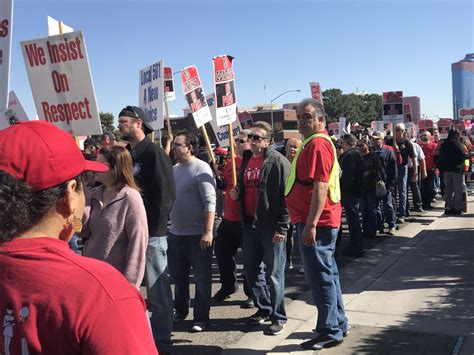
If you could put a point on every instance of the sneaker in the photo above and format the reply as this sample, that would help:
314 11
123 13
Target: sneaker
449 211
178 318
400 220
258 318
221 295
457 212
391 231
248 303
198 327
320 342
289 266
381 231
276 328
301 270
417 209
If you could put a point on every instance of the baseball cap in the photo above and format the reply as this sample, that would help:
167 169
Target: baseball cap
42 155
378 135
137 112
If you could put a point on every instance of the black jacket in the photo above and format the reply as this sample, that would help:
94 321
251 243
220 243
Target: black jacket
271 213
352 166
452 156
153 173
373 171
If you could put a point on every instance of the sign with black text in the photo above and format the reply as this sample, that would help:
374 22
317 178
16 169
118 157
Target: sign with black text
226 107
393 107
194 95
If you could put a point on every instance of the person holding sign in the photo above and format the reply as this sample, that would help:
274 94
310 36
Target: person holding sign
313 198
153 173
262 175
59 302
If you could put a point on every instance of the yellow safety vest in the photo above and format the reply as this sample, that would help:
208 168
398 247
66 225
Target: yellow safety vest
334 187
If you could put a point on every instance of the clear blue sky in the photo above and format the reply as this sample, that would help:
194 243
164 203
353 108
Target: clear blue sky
371 46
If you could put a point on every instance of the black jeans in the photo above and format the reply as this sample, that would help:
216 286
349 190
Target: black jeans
427 189
228 241
415 190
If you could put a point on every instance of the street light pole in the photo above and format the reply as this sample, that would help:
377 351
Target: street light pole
271 105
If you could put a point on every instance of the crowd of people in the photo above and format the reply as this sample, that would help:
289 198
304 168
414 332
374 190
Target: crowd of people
152 218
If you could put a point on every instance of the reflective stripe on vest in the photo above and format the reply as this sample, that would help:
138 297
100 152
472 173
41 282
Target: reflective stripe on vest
334 187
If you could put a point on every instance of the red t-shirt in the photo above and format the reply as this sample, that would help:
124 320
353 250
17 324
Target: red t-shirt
428 148
251 182
314 164
54 301
231 207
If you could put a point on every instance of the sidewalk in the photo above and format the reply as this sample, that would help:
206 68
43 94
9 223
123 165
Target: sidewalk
412 294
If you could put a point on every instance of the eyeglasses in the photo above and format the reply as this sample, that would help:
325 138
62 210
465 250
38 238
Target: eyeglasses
255 137
306 116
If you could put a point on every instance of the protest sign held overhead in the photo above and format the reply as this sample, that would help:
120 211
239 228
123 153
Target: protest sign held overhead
151 94
444 125
393 107
316 91
407 113
226 107
61 82
6 17
245 119
15 111
194 95
221 132
169 85
466 113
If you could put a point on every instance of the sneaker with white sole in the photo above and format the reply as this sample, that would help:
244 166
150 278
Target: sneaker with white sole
276 328
198 327
320 342
391 231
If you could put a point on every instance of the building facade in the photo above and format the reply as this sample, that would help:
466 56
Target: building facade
463 84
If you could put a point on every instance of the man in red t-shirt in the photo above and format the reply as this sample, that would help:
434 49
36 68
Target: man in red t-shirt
265 224
317 221
428 191
229 233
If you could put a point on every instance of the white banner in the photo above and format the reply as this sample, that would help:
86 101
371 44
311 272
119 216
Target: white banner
342 126
56 27
151 94
15 111
6 25
466 113
61 82
221 132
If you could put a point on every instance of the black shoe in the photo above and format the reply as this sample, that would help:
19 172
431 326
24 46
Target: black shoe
221 295
449 211
248 303
320 342
178 318
456 212
276 328
427 207
417 209
258 318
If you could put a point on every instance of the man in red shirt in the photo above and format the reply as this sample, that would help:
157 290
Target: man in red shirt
52 300
265 224
428 191
317 221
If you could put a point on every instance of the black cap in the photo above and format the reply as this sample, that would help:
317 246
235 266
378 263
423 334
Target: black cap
137 112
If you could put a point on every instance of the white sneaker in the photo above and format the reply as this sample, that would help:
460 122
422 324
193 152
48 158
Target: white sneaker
301 271
198 327
391 232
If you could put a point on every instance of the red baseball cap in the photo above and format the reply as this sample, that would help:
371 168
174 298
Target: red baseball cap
42 155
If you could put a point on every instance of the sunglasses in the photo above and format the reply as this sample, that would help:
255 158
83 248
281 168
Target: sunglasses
255 137
241 141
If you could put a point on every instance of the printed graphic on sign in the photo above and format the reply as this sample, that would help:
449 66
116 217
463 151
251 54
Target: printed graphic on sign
245 119
221 132
169 85
316 91
151 94
466 113
226 107
194 95
393 107
6 17
444 125
407 113
333 129
15 111
61 82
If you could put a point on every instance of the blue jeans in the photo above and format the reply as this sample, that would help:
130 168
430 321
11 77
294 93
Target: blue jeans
351 205
368 207
269 296
388 210
159 291
184 253
402 191
322 275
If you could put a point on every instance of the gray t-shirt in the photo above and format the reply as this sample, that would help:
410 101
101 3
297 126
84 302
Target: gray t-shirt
195 195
